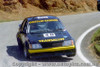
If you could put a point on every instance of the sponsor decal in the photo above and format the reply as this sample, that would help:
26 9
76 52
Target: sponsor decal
52 40
42 17
39 21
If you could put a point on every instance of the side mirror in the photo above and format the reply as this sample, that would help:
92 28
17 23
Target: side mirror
22 32
19 25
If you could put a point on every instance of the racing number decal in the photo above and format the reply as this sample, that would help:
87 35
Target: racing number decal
49 35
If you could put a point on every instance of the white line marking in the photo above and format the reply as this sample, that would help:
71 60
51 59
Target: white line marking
79 41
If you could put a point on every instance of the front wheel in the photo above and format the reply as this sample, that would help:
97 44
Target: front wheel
26 54
20 45
73 53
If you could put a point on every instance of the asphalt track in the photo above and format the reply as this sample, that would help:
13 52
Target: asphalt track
75 24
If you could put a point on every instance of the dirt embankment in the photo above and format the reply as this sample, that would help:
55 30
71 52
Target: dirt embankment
19 9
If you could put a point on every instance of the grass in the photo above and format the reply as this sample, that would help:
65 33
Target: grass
96 41
4 21
97 48
1 21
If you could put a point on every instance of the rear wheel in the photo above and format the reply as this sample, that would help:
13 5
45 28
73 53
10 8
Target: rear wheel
26 54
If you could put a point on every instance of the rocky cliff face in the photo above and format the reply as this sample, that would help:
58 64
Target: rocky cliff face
26 8
68 5
51 5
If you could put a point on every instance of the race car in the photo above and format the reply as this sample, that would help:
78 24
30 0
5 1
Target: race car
98 5
44 36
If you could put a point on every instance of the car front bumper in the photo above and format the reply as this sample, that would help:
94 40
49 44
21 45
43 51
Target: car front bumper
54 49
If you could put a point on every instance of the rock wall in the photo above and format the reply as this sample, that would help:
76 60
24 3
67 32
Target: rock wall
20 9
50 5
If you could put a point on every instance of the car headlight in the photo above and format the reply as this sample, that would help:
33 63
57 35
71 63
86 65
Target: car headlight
68 43
36 46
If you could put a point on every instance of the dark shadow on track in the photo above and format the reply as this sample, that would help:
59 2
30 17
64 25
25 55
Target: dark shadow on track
17 54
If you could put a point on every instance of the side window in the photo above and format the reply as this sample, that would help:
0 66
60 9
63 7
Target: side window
22 25
25 26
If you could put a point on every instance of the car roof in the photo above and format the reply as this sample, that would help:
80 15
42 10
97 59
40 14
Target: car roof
40 18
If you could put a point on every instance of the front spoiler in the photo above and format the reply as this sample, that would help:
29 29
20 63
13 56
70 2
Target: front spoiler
54 49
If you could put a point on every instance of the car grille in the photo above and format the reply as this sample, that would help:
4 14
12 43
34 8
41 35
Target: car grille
49 45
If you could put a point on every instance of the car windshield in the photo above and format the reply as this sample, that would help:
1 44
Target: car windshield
45 27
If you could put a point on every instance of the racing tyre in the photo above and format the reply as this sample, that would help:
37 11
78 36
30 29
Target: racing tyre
26 54
73 53
20 45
